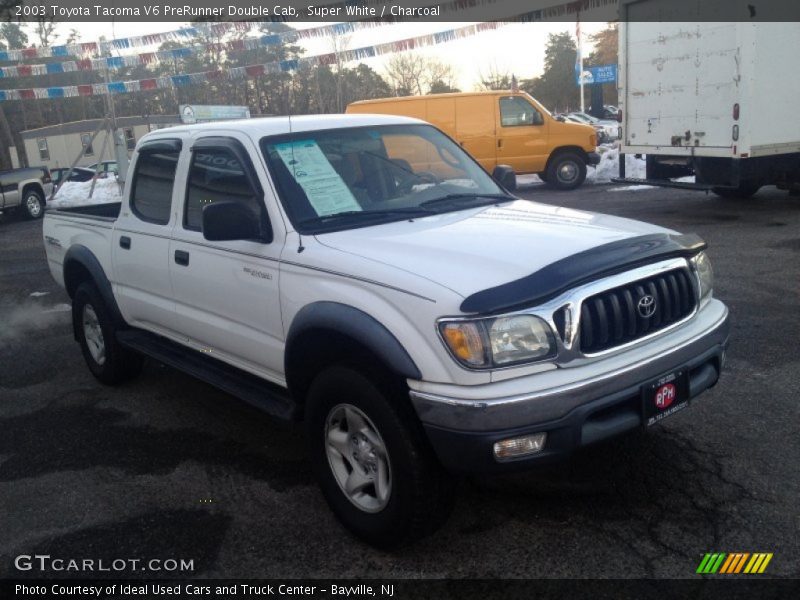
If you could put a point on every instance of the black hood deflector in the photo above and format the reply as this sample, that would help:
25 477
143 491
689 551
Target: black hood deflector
577 269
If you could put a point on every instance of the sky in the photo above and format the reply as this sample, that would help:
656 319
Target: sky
517 48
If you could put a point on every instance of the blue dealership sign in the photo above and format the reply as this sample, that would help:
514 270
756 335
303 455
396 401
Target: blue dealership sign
601 74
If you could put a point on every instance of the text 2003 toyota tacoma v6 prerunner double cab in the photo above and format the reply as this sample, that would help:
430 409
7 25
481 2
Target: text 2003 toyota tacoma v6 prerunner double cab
365 274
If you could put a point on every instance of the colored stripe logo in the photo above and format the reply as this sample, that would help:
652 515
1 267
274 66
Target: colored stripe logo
734 563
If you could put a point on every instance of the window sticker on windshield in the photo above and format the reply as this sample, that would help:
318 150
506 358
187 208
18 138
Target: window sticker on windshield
326 191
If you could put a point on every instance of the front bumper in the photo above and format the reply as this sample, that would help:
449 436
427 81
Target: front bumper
578 412
593 158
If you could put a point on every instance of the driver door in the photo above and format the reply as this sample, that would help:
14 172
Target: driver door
521 135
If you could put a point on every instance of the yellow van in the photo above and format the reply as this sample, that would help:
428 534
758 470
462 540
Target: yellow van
502 128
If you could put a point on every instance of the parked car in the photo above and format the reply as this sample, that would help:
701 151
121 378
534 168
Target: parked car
365 274
25 189
602 136
502 127
78 174
107 168
610 127
610 112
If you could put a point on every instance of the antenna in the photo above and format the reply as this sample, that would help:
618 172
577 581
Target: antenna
300 246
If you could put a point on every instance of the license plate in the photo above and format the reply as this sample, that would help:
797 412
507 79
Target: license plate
665 396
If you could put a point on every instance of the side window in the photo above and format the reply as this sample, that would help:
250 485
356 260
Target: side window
44 151
216 175
516 112
151 189
86 142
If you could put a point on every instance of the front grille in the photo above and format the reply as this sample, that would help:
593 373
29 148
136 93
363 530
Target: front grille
614 317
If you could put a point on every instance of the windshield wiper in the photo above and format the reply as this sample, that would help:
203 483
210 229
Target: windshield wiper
471 196
410 211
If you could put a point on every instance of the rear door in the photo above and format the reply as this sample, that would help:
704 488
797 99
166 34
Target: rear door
226 292
681 81
140 242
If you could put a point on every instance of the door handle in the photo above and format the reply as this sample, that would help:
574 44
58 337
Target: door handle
499 142
182 257
125 242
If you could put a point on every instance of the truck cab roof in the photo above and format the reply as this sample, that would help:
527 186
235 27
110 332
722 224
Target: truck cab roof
266 126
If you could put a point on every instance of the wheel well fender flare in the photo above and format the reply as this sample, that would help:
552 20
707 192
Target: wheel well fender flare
351 322
80 259
563 149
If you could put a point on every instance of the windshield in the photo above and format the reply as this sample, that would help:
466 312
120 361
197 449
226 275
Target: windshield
344 178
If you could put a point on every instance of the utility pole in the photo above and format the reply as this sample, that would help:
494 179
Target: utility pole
580 57
120 143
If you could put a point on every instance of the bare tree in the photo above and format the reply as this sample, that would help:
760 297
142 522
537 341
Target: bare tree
494 78
411 73
339 45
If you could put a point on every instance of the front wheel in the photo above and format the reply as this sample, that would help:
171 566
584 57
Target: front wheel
108 361
566 171
372 460
33 204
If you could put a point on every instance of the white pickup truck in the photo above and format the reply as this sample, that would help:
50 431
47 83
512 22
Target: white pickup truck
365 274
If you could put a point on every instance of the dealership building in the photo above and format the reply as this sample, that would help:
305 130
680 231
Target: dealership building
59 145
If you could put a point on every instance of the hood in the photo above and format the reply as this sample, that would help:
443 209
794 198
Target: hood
471 250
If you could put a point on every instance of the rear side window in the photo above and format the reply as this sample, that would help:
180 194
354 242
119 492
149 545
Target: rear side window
216 175
151 190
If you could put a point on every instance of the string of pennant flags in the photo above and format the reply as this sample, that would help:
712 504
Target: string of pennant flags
219 29
255 70
249 71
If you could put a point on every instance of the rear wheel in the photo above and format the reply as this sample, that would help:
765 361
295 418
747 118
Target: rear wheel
744 190
106 358
372 461
566 171
33 204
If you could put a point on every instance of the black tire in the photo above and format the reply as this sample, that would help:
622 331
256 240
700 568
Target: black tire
421 491
566 171
542 176
32 204
745 190
118 364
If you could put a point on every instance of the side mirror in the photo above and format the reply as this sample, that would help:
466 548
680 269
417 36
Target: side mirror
560 118
505 176
226 221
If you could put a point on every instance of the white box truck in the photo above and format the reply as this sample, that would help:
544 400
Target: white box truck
719 100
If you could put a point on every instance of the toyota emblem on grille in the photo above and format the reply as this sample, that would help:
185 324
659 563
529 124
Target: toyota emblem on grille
646 306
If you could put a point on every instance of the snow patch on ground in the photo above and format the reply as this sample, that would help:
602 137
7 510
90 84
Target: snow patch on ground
635 168
76 193
609 167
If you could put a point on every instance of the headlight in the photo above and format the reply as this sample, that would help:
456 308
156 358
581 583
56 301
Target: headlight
498 342
705 275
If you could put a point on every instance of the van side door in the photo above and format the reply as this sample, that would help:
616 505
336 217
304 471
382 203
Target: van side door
140 241
226 292
522 140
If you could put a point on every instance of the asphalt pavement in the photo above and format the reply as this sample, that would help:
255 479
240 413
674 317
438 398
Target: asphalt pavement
168 467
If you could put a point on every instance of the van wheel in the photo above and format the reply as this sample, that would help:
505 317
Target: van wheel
542 176
566 171
744 190
106 358
33 204
372 460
